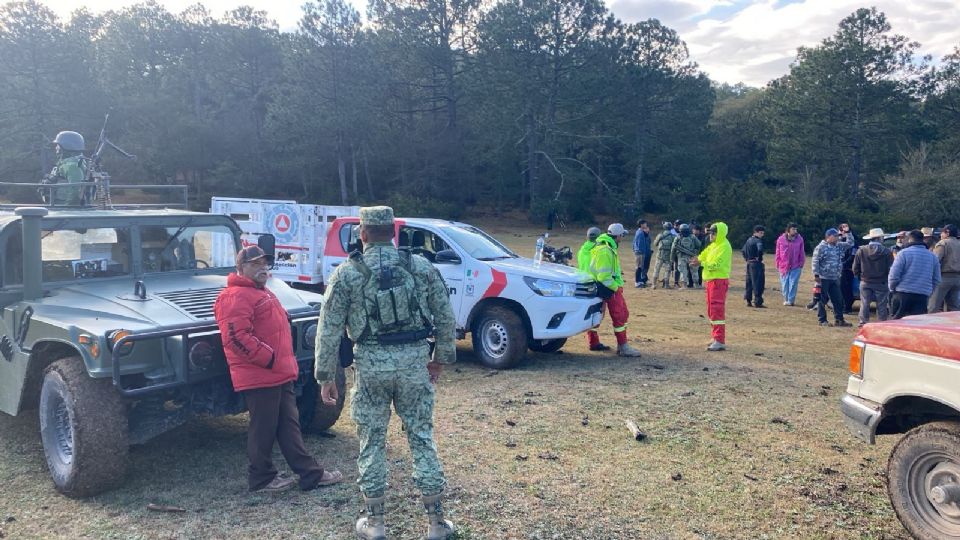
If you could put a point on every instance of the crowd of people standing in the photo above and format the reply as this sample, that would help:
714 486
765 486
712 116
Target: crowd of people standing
917 275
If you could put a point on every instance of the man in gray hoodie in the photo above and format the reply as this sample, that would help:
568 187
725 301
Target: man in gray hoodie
872 265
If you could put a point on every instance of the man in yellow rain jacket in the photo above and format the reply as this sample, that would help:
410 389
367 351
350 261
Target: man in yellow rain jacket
716 260
605 269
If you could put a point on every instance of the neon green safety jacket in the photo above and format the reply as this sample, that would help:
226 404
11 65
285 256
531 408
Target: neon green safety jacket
583 256
605 263
717 257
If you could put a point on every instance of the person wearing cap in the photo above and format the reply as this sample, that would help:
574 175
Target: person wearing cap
716 260
914 276
605 269
642 251
947 251
872 265
756 280
827 268
928 237
790 258
256 340
583 255
389 302
71 168
900 243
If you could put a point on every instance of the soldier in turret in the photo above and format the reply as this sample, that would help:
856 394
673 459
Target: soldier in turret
71 168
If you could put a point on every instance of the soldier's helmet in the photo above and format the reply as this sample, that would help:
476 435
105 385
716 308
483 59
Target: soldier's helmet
684 228
70 141
667 226
593 233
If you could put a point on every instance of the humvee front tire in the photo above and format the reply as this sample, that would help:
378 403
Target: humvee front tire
499 338
316 417
922 480
83 429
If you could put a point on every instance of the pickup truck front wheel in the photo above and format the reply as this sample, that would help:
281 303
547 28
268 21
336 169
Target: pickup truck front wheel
83 428
499 338
924 481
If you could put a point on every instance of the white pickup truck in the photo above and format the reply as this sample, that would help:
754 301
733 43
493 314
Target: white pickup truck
506 302
904 377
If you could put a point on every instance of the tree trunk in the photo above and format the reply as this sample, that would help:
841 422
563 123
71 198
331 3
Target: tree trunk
366 172
342 170
353 160
532 161
638 172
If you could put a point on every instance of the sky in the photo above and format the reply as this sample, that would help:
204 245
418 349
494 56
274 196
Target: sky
748 41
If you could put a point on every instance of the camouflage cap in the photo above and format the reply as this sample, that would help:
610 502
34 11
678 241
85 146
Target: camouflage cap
376 215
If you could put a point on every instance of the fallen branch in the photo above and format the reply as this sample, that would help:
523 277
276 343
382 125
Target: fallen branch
635 431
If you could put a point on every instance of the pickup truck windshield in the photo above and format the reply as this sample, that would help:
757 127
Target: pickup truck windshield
478 244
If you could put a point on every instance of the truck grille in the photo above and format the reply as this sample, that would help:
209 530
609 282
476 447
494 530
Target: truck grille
196 302
586 290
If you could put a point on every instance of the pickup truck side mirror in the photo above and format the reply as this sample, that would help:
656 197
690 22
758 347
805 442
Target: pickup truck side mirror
447 256
268 243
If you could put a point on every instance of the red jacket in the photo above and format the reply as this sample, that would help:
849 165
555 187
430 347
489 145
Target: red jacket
256 335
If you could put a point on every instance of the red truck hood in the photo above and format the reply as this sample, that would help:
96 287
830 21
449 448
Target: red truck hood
936 334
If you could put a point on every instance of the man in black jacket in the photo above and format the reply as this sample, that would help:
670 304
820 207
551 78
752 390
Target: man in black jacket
846 275
872 264
753 254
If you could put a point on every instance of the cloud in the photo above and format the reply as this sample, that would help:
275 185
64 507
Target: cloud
755 41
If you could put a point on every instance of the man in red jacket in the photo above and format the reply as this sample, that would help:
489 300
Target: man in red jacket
259 350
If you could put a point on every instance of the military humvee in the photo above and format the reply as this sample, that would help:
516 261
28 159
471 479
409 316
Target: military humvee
107 328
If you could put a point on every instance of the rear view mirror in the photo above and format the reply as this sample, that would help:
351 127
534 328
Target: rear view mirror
447 256
268 243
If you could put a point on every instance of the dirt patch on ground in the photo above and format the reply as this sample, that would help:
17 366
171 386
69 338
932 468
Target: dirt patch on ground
748 443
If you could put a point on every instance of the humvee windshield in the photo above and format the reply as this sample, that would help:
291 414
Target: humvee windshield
183 248
85 253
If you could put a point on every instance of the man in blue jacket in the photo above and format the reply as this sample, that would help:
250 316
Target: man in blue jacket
913 277
643 251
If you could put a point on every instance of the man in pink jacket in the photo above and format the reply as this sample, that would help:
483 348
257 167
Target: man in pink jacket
790 258
256 341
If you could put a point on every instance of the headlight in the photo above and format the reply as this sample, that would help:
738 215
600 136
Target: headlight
201 355
546 287
310 335
116 335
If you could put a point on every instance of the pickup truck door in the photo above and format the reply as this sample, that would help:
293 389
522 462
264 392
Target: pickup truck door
427 243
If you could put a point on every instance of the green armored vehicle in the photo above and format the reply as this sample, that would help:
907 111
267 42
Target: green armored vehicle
108 330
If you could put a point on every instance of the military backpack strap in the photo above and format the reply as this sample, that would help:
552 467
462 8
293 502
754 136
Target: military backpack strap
355 259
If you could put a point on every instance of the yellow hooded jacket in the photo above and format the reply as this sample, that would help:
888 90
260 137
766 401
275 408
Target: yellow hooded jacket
717 257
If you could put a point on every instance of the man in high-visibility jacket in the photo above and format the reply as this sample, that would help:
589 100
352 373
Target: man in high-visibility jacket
605 269
716 260
583 256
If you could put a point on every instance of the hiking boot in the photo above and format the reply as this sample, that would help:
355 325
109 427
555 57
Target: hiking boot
372 526
599 347
760 306
842 323
438 528
812 305
626 350
825 323
749 303
277 485
716 346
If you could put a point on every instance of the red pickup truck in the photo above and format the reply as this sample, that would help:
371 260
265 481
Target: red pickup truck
905 379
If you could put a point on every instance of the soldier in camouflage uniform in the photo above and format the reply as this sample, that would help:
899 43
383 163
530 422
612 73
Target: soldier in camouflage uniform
685 247
71 168
389 302
663 243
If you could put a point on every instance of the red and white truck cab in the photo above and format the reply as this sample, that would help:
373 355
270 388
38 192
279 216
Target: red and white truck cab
905 379
506 302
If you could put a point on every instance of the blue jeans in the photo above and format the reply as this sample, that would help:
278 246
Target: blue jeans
789 283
